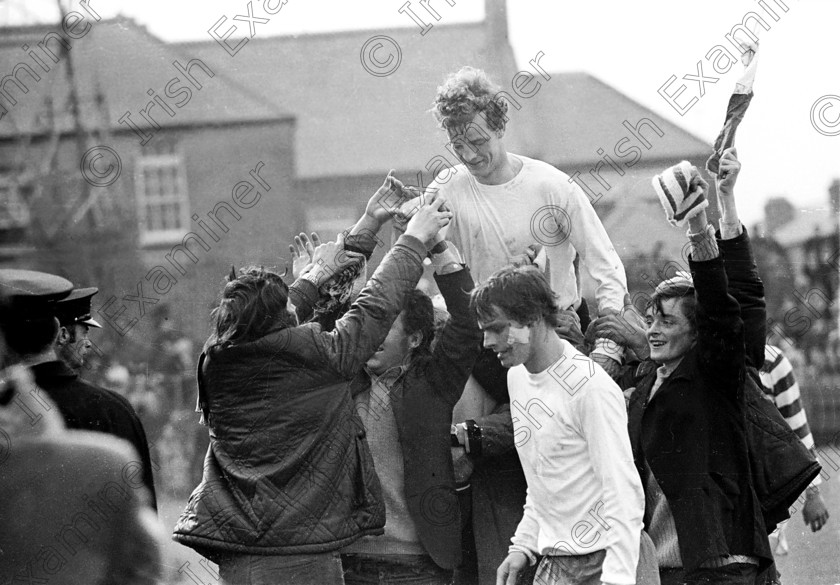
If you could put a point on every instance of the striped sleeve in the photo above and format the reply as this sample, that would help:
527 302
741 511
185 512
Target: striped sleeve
779 383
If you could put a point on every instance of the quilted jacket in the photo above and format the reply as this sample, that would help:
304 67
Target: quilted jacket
288 470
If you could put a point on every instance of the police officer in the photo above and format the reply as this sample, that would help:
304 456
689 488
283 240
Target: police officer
33 332
75 321
65 495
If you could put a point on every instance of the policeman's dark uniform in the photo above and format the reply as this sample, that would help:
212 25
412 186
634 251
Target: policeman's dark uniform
83 406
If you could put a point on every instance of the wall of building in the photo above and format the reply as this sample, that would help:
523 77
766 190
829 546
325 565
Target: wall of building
217 164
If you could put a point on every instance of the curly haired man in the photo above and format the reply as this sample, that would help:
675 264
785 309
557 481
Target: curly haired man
503 204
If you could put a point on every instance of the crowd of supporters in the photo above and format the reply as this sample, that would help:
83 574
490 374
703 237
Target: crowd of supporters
349 428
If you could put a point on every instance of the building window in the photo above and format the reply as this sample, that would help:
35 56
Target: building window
13 211
163 205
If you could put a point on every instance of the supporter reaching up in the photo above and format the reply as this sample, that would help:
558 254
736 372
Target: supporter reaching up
288 478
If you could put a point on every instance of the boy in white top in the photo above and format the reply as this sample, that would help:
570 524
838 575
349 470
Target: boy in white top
502 203
585 503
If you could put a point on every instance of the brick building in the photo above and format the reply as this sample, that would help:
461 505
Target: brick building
190 122
205 170
352 127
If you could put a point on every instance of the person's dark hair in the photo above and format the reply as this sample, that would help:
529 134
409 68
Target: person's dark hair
677 290
252 305
419 315
29 336
467 93
523 293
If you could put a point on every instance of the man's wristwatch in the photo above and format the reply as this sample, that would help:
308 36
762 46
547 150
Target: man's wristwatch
474 437
473 431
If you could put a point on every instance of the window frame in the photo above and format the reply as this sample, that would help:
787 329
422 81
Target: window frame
149 237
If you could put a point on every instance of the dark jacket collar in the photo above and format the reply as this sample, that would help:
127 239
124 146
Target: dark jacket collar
53 369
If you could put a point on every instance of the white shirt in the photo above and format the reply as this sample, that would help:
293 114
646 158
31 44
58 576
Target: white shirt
584 492
492 224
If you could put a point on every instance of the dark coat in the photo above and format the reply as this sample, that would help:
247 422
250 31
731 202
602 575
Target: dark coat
89 408
288 470
746 287
423 399
498 483
782 467
692 433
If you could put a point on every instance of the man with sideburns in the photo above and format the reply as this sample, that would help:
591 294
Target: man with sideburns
584 505
504 206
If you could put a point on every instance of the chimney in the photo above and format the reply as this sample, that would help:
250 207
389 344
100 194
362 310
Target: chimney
495 16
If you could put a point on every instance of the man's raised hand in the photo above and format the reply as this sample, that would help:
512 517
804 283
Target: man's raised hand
729 168
327 259
388 199
728 173
302 249
428 221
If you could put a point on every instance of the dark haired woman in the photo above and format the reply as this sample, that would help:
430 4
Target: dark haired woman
288 478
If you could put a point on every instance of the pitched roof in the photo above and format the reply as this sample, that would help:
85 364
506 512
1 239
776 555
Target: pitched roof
353 123
349 121
575 114
807 224
122 61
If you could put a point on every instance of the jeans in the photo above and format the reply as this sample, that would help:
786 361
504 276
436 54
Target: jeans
311 569
586 569
399 569
734 574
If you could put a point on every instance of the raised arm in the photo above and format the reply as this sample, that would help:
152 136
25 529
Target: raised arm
363 328
459 343
720 330
741 270
360 239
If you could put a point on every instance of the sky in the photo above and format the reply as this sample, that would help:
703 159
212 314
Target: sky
789 142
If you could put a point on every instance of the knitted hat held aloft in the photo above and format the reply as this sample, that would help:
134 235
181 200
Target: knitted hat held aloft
681 191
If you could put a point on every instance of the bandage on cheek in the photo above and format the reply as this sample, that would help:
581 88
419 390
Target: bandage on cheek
518 334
